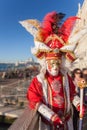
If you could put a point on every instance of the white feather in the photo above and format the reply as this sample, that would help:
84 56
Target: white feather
73 40
29 27
77 36
41 46
70 47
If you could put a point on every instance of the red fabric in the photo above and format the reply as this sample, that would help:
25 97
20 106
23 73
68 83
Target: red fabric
35 96
57 96
53 55
35 93
72 88
54 43
83 109
70 56
57 121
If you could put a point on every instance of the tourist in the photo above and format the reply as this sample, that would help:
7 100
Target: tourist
76 77
84 75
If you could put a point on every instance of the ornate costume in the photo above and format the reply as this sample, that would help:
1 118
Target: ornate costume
52 92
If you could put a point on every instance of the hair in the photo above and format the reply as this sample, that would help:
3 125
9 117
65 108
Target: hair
84 75
74 72
84 69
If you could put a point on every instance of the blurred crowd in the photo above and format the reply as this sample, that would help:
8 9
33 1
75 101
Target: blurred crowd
19 73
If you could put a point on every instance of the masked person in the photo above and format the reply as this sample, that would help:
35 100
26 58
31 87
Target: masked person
52 95
52 92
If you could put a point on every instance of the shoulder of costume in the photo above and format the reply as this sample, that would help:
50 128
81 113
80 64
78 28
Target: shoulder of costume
40 77
34 79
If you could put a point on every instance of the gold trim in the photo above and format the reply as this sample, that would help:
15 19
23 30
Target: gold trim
53 37
63 79
50 95
72 56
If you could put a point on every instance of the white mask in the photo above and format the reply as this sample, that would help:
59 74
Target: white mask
53 67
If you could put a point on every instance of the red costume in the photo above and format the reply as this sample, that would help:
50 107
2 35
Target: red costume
55 87
52 92
56 95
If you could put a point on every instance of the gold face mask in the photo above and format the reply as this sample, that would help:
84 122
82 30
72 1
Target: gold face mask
53 66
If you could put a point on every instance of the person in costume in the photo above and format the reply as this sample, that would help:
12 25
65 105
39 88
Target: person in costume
52 95
52 92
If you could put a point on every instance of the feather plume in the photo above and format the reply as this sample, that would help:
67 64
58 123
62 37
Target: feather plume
66 28
32 26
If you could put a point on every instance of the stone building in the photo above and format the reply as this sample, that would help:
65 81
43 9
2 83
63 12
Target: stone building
82 47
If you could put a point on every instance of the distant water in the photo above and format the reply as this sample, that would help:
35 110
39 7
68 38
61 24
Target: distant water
7 66
4 67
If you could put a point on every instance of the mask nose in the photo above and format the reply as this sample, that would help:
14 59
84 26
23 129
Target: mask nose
56 66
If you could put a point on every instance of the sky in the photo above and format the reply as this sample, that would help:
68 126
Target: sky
15 41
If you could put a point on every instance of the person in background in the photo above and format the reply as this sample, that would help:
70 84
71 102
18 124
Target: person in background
76 77
84 75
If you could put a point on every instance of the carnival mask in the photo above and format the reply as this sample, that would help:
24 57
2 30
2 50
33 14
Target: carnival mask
53 66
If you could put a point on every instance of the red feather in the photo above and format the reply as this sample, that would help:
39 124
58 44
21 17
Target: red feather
67 27
47 24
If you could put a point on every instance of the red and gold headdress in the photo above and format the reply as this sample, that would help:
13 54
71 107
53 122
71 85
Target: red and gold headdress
50 35
53 55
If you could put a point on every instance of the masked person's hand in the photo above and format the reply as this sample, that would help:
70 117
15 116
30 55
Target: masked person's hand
57 122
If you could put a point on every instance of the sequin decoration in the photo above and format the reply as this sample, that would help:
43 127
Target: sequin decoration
56 86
